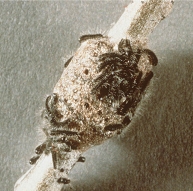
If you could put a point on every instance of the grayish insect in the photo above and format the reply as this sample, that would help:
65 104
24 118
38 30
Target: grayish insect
119 84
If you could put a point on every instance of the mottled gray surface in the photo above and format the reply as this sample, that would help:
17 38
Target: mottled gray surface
156 154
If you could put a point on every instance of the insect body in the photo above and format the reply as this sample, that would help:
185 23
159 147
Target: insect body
103 103
121 78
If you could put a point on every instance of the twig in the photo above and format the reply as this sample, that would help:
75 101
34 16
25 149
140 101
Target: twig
139 19
136 23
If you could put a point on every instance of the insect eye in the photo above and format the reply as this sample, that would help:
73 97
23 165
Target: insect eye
81 159
34 159
63 181
40 148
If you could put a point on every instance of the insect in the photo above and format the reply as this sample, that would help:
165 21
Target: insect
89 36
119 79
56 134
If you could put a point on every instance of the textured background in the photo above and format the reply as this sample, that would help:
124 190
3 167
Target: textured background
155 153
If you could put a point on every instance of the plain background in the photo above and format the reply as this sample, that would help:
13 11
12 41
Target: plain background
154 153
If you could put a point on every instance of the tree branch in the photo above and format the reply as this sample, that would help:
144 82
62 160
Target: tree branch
139 19
137 22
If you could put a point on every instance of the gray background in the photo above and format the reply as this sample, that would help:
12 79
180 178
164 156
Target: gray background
155 154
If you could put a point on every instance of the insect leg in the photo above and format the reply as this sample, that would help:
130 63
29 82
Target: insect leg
89 36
